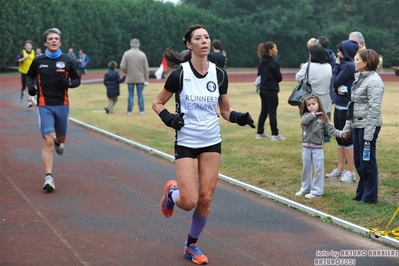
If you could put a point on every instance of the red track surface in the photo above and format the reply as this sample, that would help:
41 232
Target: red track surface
234 76
105 209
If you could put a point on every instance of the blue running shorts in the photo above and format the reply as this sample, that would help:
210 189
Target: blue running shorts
53 119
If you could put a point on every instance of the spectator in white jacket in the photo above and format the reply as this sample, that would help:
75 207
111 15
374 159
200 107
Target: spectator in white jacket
320 74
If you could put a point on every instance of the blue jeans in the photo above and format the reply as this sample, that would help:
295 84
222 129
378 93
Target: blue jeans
140 88
367 188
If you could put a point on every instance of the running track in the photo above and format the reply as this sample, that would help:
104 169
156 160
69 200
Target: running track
105 209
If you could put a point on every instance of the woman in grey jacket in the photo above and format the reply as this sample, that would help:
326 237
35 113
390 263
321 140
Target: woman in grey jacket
364 122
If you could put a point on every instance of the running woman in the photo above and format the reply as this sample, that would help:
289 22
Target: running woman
200 87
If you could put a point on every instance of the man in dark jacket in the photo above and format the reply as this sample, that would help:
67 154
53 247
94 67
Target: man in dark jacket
323 42
217 56
53 73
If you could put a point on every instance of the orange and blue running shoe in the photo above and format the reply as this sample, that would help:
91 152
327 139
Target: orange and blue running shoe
192 252
167 205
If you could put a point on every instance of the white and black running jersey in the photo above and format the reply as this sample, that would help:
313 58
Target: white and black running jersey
198 100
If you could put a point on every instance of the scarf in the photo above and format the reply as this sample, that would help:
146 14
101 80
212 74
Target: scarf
56 55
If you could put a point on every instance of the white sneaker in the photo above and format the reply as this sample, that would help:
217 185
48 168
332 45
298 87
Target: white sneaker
59 149
311 196
299 194
48 183
29 104
348 176
129 113
142 113
262 136
277 137
335 173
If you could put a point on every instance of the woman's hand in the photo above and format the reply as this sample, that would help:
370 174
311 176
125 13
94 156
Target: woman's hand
340 91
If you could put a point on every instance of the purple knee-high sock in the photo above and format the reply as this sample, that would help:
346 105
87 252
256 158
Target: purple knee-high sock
197 225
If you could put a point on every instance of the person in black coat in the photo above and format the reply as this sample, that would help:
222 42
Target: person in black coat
270 77
217 56
111 82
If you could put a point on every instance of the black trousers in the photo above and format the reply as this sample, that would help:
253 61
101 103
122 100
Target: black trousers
23 81
269 103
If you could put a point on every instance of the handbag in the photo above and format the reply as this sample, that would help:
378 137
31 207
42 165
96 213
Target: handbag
300 92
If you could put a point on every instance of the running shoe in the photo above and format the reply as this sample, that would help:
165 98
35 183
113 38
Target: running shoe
59 149
48 183
335 173
300 194
348 176
167 205
29 104
192 252
262 136
277 137
311 196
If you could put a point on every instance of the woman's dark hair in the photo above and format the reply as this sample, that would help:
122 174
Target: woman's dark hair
264 48
174 57
317 54
371 58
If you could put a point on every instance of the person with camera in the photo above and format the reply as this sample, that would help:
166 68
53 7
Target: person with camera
343 77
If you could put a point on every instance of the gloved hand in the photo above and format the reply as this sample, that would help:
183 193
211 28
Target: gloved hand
32 90
172 120
245 119
242 119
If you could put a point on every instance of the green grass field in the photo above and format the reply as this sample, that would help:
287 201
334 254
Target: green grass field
273 166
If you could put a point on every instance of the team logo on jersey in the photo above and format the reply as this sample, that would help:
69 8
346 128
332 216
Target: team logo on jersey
211 86
60 64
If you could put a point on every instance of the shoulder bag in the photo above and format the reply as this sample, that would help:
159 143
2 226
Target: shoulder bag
302 90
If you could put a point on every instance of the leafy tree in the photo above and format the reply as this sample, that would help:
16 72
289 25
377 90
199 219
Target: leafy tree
104 28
